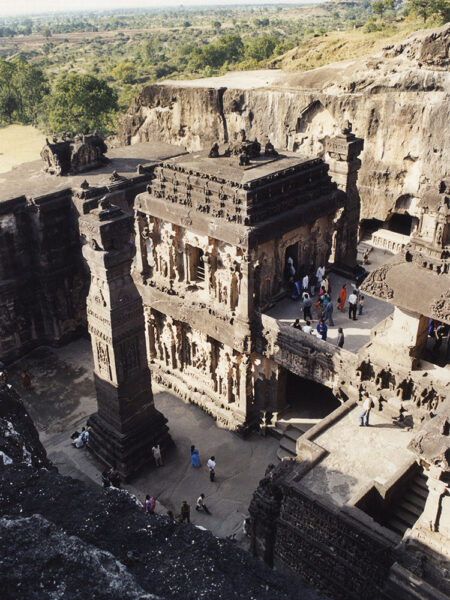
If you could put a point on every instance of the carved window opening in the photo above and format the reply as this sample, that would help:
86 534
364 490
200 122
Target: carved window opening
196 264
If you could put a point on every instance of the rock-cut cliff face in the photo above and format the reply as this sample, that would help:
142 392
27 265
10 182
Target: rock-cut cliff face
397 101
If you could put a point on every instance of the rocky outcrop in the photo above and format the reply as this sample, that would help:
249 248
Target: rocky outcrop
396 100
61 539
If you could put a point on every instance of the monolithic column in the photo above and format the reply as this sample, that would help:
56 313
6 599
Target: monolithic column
127 423
342 157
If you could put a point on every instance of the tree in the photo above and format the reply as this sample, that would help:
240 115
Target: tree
124 71
81 103
23 88
261 48
427 8
378 7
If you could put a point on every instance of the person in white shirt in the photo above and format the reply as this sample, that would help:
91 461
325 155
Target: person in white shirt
211 464
352 302
305 283
319 274
201 504
367 407
307 328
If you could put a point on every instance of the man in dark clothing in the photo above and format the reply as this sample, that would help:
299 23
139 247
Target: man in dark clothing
307 303
114 477
340 338
185 512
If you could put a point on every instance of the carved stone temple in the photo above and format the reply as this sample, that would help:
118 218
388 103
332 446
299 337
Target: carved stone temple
127 424
214 233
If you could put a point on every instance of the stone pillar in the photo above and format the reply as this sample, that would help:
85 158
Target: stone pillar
127 423
342 154
404 341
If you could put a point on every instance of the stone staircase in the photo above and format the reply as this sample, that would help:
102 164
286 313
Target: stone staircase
288 435
407 509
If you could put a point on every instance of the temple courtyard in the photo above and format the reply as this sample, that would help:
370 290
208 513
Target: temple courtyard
63 396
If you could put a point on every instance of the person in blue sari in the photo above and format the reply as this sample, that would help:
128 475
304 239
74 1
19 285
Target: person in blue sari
195 457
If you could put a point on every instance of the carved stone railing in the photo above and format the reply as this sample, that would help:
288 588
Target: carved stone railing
389 240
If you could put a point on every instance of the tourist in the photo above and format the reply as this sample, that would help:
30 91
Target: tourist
352 303
322 330
340 338
326 284
114 477
305 283
367 407
312 282
366 256
195 457
211 464
201 504
296 324
307 328
439 334
307 303
149 504
26 380
360 304
156 451
82 439
342 298
185 512
105 480
328 312
319 274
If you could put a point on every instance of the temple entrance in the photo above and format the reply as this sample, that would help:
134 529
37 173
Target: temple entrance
303 404
401 223
308 399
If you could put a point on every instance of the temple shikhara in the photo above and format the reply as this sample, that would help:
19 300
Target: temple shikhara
187 268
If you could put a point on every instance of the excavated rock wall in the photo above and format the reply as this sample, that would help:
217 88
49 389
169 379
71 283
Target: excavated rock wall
396 101
43 284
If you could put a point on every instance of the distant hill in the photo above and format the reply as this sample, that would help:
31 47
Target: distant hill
336 46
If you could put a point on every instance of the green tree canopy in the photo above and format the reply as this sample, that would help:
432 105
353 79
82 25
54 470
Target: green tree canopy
81 103
428 8
124 71
23 88
229 48
261 48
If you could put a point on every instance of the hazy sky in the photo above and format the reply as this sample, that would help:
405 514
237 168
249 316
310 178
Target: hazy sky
38 6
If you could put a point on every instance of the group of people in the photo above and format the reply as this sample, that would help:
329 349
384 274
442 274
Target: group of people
325 306
80 439
211 464
307 283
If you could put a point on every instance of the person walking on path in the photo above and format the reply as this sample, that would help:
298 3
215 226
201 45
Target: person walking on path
367 407
201 504
307 303
322 330
352 303
340 338
195 457
149 504
156 451
114 477
305 283
212 468
319 274
342 298
328 313
185 512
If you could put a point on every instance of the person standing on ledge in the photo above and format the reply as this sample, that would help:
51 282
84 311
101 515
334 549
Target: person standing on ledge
195 457
352 303
322 330
212 468
340 338
367 407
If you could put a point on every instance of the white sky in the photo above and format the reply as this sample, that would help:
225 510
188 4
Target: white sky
38 6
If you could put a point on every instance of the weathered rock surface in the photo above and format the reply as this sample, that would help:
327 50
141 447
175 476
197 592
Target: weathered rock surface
396 100
63 540
432 442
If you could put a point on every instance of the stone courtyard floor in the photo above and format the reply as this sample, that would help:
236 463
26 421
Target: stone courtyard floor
62 398
356 333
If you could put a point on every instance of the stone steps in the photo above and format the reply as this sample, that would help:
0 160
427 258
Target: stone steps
288 442
410 506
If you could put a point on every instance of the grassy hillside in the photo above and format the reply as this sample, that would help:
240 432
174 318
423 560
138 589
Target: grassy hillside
335 46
